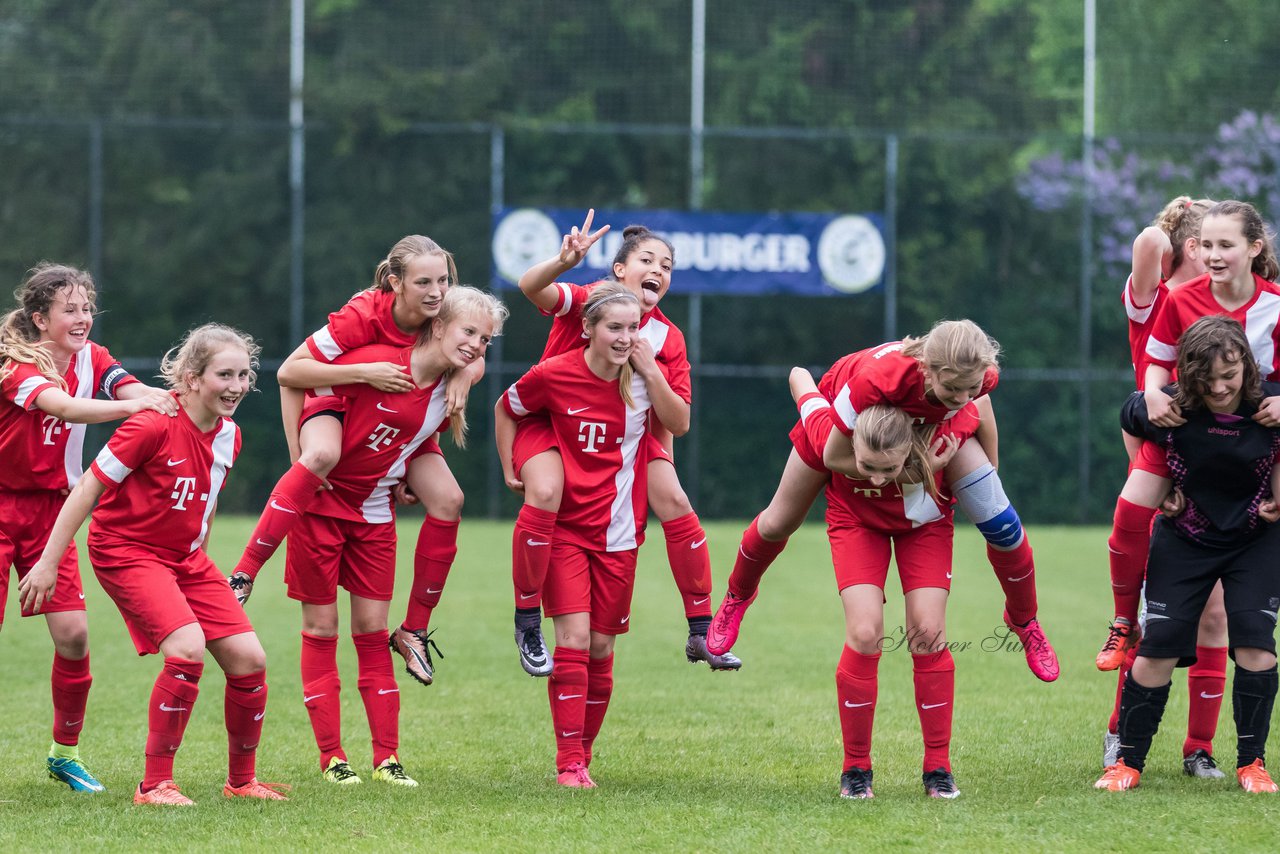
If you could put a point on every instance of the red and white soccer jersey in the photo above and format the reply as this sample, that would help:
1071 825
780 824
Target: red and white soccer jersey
382 432
665 337
1260 318
601 445
162 476
37 450
365 319
882 376
1141 321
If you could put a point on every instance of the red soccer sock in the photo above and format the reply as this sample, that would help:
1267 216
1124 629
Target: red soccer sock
293 494
1206 683
755 554
690 561
1113 724
70 681
1016 571
599 690
172 698
857 687
320 694
378 690
531 554
1129 542
244 707
432 560
567 691
935 682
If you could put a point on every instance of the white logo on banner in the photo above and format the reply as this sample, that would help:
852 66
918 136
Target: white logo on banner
851 254
522 239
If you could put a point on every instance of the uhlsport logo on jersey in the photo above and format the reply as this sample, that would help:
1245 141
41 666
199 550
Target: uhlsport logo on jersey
809 254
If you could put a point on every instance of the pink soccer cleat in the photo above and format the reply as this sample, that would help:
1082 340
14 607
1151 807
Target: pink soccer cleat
575 777
1041 658
725 625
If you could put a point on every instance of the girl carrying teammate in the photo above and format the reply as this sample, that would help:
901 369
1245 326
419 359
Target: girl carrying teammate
931 379
887 496
1223 463
347 535
598 401
531 458
1235 247
1166 255
158 479
49 374
408 288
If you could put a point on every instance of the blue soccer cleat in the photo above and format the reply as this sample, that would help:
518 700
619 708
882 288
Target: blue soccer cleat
74 774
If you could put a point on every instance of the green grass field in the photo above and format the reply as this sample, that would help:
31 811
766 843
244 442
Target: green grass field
688 760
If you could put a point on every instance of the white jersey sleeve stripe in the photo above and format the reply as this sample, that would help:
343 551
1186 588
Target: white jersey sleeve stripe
1160 351
111 466
324 342
513 398
843 405
566 299
1138 314
26 387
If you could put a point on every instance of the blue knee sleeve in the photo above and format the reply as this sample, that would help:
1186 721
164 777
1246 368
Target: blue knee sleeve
1004 531
981 496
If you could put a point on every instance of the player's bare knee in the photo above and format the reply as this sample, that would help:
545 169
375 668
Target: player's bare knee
1255 659
447 505
601 645
926 637
320 459
73 645
865 638
1213 623
667 504
321 627
544 496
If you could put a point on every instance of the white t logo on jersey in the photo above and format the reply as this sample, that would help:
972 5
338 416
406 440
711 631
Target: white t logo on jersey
870 492
591 434
184 488
52 426
381 437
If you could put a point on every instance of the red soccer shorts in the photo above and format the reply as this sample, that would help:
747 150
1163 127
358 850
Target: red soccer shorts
923 555
808 456
26 518
533 436
322 404
325 553
599 583
157 594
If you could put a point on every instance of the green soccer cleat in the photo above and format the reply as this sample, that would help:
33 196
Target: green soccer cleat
340 772
391 771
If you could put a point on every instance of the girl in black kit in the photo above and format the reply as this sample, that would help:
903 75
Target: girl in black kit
1222 466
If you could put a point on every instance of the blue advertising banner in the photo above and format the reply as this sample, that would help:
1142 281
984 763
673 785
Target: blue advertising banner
811 254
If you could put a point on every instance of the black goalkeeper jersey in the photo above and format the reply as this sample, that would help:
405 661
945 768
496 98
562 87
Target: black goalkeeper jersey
1221 463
